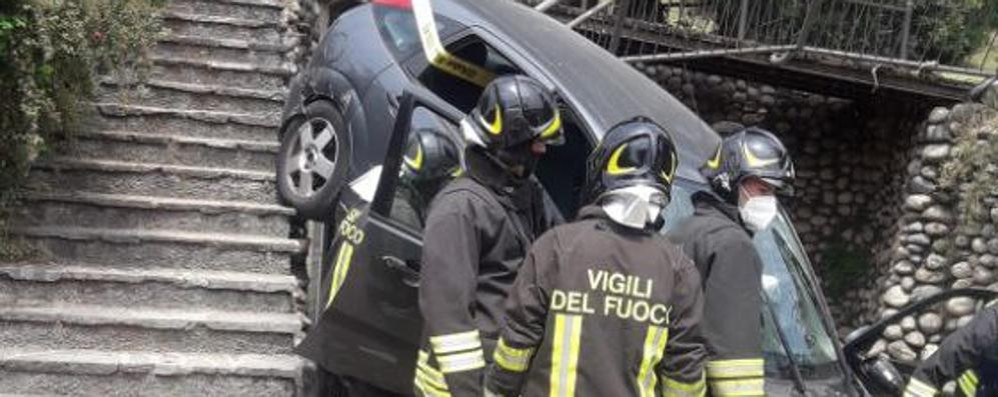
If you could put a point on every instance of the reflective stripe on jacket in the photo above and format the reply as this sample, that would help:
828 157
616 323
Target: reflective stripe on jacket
601 310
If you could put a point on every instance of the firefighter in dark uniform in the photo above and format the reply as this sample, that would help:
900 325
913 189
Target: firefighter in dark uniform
431 159
969 356
748 169
605 306
478 230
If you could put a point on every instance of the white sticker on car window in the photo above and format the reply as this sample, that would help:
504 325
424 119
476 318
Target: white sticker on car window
367 184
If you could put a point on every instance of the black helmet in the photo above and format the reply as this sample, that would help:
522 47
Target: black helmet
430 155
513 110
750 152
635 152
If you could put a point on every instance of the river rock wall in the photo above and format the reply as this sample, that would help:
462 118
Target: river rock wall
851 159
937 248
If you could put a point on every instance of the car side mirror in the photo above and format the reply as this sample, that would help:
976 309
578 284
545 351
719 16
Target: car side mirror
884 375
856 333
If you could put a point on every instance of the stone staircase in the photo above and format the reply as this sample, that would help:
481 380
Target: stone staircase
165 264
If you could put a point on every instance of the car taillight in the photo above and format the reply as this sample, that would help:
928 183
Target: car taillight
406 4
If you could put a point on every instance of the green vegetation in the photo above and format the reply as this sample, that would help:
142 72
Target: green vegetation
972 170
50 53
844 265
952 31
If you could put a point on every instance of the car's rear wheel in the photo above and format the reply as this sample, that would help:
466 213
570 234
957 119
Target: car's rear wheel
313 161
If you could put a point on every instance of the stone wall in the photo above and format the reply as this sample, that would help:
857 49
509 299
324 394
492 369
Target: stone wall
937 248
307 19
850 158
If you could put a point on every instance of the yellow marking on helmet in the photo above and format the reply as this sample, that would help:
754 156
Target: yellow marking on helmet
715 162
754 161
672 171
495 127
553 128
612 167
417 162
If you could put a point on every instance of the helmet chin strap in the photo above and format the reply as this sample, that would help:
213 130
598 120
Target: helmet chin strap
636 207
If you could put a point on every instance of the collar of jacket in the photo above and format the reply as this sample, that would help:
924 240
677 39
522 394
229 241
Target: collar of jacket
710 204
485 171
592 211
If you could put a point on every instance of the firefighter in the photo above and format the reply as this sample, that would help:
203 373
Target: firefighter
431 159
969 356
605 306
749 168
478 230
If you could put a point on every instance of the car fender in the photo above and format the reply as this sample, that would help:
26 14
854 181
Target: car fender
329 84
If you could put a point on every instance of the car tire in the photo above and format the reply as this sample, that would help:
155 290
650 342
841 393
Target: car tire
313 161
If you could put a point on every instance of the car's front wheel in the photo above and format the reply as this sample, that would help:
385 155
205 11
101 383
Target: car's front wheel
313 161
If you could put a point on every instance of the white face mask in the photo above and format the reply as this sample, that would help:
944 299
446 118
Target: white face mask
757 212
635 207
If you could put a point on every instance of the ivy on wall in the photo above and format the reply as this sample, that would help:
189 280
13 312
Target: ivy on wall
972 169
50 54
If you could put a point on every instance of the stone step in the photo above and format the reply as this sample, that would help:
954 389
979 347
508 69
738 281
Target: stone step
27 284
54 327
176 181
101 373
167 125
260 10
114 211
187 24
195 71
165 94
219 50
133 248
113 109
177 150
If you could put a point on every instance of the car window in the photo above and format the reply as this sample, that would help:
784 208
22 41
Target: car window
793 309
411 194
398 29
461 93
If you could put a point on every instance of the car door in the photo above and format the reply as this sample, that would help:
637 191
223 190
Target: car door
372 317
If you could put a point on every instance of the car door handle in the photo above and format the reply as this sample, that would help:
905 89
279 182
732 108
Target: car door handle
406 272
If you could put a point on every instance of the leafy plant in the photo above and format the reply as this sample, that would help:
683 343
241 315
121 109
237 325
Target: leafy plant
50 54
972 170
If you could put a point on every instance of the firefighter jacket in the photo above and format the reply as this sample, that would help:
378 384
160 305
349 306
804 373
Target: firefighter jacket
478 230
731 273
601 310
969 356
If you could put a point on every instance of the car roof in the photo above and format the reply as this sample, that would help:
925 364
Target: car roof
604 89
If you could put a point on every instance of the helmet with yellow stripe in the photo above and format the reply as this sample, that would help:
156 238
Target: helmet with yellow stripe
430 155
750 152
513 110
637 152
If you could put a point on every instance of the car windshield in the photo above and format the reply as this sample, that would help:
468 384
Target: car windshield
792 301
791 298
